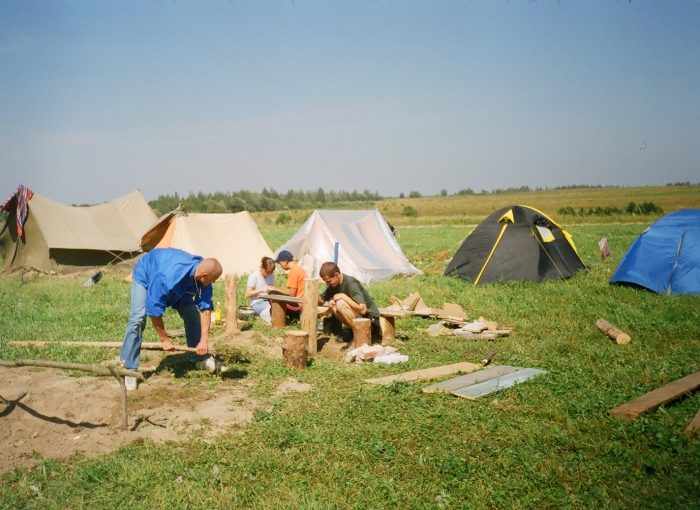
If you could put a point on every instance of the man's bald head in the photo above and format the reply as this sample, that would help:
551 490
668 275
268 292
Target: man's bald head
210 269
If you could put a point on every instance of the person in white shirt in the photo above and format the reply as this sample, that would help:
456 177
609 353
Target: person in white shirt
259 281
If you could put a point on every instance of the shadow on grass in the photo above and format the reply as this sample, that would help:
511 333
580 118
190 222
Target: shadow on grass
180 365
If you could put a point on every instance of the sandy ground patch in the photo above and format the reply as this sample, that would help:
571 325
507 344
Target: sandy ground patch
47 413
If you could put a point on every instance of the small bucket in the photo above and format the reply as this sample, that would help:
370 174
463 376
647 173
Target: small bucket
245 313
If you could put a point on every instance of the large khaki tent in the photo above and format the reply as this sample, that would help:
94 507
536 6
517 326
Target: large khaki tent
63 238
233 239
362 240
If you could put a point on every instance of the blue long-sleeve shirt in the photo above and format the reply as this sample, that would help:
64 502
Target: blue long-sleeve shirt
168 276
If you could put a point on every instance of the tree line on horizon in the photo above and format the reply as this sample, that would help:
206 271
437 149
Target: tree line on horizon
271 200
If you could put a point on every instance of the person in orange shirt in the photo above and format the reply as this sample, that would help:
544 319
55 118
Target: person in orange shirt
295 281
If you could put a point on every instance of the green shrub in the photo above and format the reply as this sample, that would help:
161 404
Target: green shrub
283 219
409 211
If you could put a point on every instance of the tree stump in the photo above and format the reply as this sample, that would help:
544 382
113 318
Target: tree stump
388 327
278 313
361 331
295 349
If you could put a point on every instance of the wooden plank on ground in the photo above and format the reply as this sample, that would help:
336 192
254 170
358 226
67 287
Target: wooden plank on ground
468 379
390 312
498 383
694 426
660 396
427 373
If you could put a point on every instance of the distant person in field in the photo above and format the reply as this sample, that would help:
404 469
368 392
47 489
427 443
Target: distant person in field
347 300
261 281
295 281
167 277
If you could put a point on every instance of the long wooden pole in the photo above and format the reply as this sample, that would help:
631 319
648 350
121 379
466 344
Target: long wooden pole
309 313
231 303
157 346
95 369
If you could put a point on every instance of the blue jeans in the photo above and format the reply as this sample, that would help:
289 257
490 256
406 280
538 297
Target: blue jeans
131 347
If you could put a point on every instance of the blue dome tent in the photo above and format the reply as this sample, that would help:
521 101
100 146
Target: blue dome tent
665 258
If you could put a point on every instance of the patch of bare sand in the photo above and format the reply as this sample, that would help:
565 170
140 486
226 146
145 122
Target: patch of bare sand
46 413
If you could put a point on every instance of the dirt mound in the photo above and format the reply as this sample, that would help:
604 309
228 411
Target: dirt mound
46 413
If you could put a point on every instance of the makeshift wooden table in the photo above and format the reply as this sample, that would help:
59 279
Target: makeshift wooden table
277 308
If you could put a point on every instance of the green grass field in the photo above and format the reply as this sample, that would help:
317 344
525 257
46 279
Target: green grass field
547 443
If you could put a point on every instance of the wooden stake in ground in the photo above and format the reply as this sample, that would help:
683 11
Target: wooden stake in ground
118 372
295 349
309 313
619 336
361 331
231 303
657 397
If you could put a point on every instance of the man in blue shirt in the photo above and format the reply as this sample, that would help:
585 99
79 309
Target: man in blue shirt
167 277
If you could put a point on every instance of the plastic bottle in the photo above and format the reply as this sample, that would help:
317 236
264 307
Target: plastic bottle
217 313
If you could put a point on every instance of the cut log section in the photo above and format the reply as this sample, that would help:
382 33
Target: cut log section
361 331
388 327
295 349
614 333
278 314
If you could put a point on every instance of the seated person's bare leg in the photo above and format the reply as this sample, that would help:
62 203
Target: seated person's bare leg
344 313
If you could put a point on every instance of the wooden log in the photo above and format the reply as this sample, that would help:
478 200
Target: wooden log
657 397
619 336
278 313
694 426
387 325
295 349
309 313
231 303
96 369
157 346
361 331
427 373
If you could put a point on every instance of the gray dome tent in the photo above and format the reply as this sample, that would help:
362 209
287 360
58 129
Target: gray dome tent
516 243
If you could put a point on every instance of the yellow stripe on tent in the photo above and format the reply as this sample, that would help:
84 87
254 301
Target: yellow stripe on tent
503 229
507 217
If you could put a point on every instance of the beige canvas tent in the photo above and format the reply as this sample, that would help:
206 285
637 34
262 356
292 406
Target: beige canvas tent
234 239
65 238
361 242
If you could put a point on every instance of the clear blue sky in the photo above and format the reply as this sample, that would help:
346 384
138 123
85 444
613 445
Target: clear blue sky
102 97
